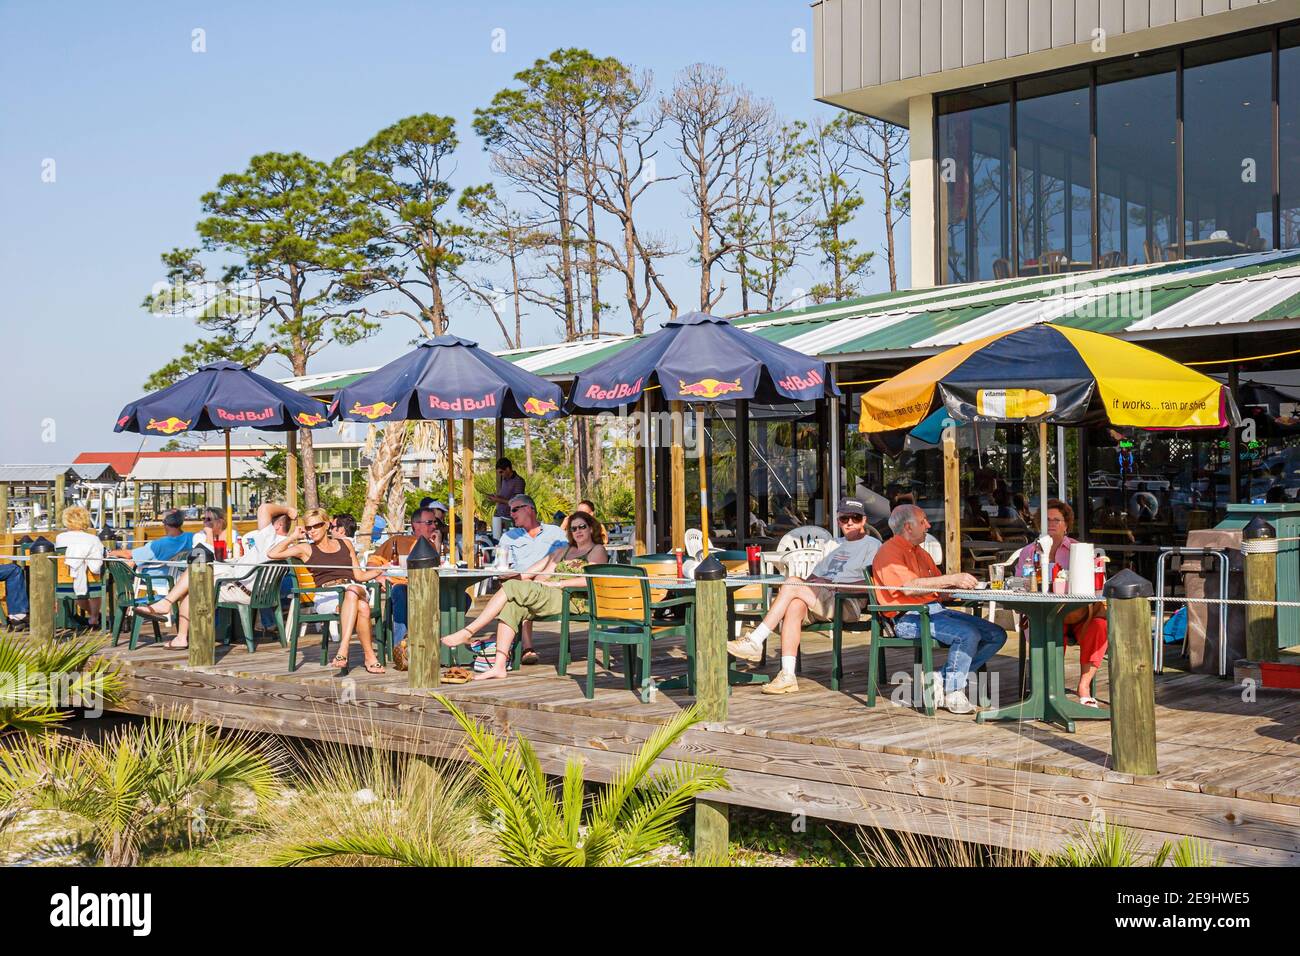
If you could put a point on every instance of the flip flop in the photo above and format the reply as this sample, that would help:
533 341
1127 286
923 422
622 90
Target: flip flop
1090 702
173 646
530 657
456 675
148 615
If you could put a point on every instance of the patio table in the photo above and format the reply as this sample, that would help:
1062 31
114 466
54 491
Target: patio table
1046 701
451 586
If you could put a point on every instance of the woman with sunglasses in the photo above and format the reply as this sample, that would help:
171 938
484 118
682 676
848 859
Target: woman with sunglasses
214 530
521 599
333 562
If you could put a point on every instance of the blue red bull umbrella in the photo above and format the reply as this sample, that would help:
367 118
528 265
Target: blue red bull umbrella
702 358
448 378
218 397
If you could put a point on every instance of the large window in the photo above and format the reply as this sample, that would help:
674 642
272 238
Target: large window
1053 174
1228 147
1289 136
1137 160
1116 128
975 185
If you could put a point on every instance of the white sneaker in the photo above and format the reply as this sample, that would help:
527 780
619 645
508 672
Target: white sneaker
958 703
745 649
782 683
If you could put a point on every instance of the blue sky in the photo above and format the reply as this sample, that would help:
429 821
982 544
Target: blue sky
139 126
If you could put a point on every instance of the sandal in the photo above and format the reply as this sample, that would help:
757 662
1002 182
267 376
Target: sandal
530 657
374 667
456 675
1090 702
339 663
173 646
144 612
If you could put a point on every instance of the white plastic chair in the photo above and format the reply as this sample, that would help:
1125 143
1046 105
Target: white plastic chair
934 549
801 561
805 536
694 542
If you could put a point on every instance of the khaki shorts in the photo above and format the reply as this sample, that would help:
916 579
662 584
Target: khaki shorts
823 607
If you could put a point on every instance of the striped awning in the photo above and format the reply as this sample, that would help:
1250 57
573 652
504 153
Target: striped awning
1141 302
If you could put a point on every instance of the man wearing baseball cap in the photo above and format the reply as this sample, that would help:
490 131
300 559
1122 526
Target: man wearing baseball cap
802 601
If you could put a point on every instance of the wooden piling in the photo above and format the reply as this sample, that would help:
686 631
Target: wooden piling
203 611
1132 678
678 464
423 616
712 824
1259 546
41 615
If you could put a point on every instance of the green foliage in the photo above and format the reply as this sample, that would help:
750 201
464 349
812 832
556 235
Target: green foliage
136 781
1116 846
368 807
539 824
35 674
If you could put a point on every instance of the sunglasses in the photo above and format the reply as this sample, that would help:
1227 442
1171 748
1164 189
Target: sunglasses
852 519
579 527
519 508
424 521
318 524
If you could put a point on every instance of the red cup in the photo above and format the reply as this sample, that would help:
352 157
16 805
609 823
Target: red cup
754 554
219 550
680 561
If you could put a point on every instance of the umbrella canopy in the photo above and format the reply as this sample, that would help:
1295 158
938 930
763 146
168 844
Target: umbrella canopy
444 378
1048 373
447 378
702 358
222 396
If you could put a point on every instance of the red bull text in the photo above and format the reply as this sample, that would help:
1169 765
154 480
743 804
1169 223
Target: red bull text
621 390
463 403
226 415
797 383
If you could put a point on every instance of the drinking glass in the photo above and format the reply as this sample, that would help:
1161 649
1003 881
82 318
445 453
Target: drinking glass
997 574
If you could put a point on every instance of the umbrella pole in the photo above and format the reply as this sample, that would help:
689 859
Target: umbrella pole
704 478
1042 500
230 516
451 494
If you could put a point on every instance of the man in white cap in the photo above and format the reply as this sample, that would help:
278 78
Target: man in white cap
802 601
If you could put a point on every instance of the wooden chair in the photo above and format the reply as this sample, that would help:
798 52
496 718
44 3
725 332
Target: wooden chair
125 583
883 636
303 596
1110 260
622 605
1002 268
805 536
1053 263
264 592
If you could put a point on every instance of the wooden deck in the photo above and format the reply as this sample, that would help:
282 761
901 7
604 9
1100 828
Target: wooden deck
1229 768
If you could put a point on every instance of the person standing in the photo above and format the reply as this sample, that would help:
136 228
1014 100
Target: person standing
509 485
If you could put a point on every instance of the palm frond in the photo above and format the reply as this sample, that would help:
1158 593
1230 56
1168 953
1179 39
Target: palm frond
610 803
353 847
657 805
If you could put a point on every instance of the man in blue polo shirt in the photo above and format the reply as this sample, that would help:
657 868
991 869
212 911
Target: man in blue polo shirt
174 545
528 542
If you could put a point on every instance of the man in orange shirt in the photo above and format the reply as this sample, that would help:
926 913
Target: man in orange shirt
902 563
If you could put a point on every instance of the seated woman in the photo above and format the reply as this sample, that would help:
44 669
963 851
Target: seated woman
83 555
332 562
1085 626
522 599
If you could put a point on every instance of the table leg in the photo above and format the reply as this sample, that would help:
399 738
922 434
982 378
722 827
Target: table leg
1060 709
1032 707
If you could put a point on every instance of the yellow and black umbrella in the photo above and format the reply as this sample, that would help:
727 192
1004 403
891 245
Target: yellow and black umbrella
1050 374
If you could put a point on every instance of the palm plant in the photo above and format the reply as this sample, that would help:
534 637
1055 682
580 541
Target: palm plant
370 807
40 679
133 783
538 824
1116 846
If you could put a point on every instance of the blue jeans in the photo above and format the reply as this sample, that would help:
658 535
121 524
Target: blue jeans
970 640
397 598
15 588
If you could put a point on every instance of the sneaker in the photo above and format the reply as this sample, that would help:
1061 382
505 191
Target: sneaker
936 688
745 650
782 683
958 703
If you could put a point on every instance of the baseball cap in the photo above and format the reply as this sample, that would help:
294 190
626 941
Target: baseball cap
851 506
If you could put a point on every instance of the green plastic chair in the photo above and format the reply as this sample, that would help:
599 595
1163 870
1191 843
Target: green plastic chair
66 597
301 597
123 583
883 636
566 617
264 587
622 604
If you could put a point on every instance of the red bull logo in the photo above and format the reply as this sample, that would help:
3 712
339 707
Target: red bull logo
168 426
708 387
621 390
371 411
264 414
539 406
798 383
309 419
462 404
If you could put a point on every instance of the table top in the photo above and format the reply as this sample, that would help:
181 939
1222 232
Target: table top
1009 596
445 572
732 581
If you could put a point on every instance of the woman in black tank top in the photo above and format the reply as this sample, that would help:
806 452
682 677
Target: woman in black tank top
333 563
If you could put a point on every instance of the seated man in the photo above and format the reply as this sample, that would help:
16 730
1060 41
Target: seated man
272 527
527 543
424 524
11 576
797 603
903 562
151 557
